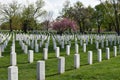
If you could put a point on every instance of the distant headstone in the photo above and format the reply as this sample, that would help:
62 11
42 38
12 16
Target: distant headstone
115 51
13 73
41 70
30 56
25 49
107 53
62 44
90 54
97 45
45 53
76 48
84 47
68 49
0 52
57 51
99 55
13 59
36 48
76 60
106 42
61 65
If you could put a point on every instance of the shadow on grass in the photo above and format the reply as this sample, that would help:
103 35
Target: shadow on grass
52 75
6 66
22 62
70 69
84 64
51 57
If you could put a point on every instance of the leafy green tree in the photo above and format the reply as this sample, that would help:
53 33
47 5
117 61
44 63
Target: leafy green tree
80 14
8 12
30 15
115 16
99 16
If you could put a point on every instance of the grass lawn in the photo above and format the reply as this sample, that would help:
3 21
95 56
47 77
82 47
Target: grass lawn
105 70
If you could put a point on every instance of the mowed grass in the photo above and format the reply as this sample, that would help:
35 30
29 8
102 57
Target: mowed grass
105 70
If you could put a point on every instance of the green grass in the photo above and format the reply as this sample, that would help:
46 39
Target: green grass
105 70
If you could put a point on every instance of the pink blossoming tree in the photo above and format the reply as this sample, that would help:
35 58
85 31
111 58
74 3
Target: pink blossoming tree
64 24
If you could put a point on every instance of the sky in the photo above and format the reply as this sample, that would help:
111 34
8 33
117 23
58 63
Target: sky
55 5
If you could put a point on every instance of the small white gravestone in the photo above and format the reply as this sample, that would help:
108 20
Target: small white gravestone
0 52
46 45
13 73
30 56
81 42
32 44
57 51
36 48
84 47
119 49
91 41
115 51
25 49
106 42
40 70
29 42
118 41
68 49
115 42
99 55
45 53
40 44
87 41
97 44
13 48
69 42
76 48
23 46
61 65
107 53
54 45
62 44
76 61
102 44
13 60
111 42
90 57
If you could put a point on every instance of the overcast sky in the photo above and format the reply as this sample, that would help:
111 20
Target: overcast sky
56 5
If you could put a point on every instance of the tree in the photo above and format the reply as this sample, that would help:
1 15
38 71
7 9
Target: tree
8 12
80 14
47 19
64 24
30 15
89 19
74 13
116 7
99 16
66 9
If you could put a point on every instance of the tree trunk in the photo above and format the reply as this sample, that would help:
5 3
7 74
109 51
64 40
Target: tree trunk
98 29
24 28
117 22
116 17
80 27
47 25
110 27
25 23
10 22
83 26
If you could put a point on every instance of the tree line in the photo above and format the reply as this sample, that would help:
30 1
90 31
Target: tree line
103 17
